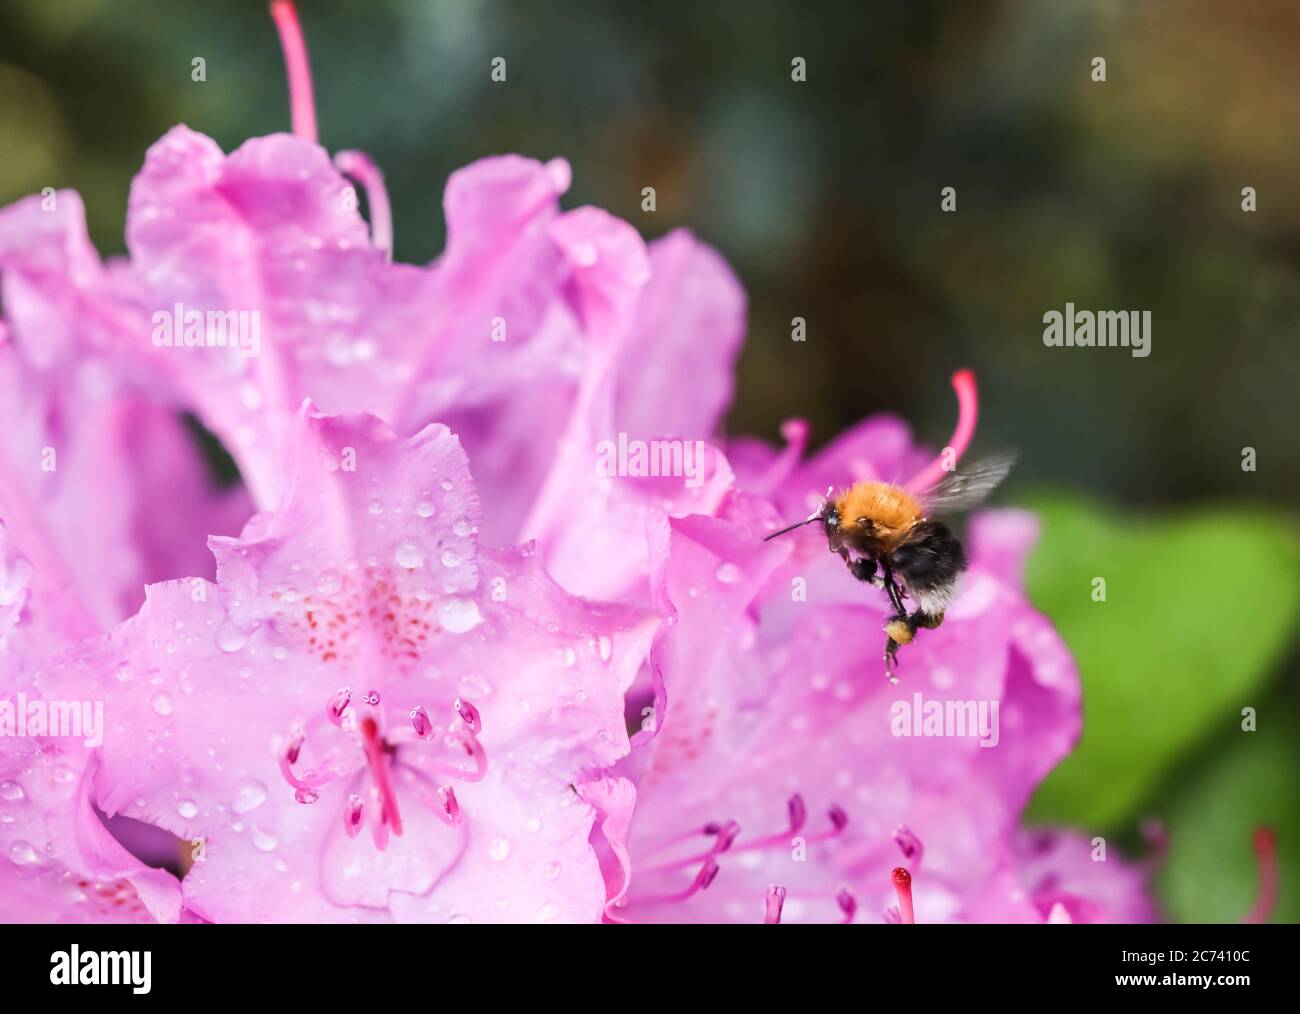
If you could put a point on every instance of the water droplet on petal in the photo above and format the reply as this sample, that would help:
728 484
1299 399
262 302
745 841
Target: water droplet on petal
264 841
22 853
306 796
499 849
249 795
162 704
230 638
728 573
328 582
448 485
552 871
188 809
458 615
424 509
408 555
11 791
606 648
124 672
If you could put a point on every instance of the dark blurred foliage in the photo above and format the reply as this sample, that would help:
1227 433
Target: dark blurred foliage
824 195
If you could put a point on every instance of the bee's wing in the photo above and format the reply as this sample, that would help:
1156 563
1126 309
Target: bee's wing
967 486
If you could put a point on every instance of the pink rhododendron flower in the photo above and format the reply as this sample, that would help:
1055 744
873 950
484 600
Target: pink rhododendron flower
777 754
368 716
374 715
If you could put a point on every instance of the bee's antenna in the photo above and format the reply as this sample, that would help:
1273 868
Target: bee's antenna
791 528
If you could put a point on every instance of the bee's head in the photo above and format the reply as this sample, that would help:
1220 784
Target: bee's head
830 518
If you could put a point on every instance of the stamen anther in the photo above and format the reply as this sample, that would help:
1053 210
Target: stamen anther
337 705
468 714
848 904
353 813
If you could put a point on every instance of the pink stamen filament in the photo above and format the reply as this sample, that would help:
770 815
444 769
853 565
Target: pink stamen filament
373 746
302 104
963 382
1266 855
701 882
903 887
364 171
775 902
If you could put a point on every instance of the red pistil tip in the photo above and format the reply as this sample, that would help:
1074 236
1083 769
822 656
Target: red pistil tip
302 105
963 382
420 722
352 815
468 714
338 704
1266 856
903 888
775 902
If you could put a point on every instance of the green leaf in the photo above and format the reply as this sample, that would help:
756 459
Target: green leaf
1198 609
1248 781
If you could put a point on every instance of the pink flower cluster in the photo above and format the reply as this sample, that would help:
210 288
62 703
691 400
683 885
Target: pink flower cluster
446 668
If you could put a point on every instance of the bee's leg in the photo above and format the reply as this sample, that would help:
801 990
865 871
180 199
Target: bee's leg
864 569
923 619
891 659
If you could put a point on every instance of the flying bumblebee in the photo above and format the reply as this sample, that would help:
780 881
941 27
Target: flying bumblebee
889 537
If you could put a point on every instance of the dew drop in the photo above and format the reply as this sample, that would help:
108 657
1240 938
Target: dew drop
187 809
448 485
408 555
449 559
499 849
264 841
727 573
462 528
124 672
249 795
424 509
11 791
328 582
376 508
22 853
162 704
458 615
230 638
606 647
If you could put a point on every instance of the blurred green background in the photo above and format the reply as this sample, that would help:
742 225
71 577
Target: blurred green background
825 197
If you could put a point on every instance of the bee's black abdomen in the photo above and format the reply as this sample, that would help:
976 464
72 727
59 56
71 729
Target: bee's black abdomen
929 560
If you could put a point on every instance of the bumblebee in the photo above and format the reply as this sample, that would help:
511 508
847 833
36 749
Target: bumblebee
889 537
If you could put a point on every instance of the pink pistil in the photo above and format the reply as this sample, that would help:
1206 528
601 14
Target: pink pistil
373 746
963 382
903 887
775 902
302 106
1266 855
359 166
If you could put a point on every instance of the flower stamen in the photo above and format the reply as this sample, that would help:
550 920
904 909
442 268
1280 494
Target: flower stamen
963 382
302 104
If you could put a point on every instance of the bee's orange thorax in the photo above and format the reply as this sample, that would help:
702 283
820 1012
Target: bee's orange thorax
892 508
